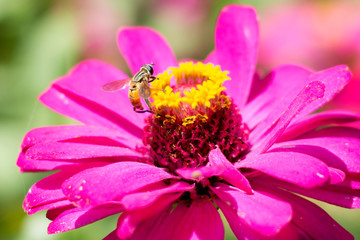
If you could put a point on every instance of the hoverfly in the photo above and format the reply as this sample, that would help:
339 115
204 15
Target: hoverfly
138 87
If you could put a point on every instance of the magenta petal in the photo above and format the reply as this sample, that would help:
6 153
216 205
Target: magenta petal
338 147
142 45
317 120
135 224
51 206
336 176
79 95
138 200
314 221
236 47
337 195
29 165
300 169
351 181
218 166
69 150
34 165
78 217
260 212
51 214
67 132
230 174
257 88
312 92
265 105
200 173
47 190
340 195
335 79
199 221
332 79
87 187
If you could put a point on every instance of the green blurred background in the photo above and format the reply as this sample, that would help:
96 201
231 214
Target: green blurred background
41 40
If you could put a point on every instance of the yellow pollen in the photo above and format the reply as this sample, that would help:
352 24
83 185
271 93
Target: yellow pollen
225 103
204 82
169 119
196 174
190 120
166 98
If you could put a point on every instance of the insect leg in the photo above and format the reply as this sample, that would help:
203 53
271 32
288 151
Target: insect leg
152 78
147 102
142 111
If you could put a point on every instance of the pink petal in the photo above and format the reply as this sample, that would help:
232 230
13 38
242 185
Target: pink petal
200 173
314 221
236 47
258 86
339 195
300 169
335 79
142 45
47 190
32 165
79 95
51 206
351 181
67 132
135 224
218 166
27 165
53 213
260 212
317 120
338 147
230 174
199 221
148 229
69 150
92 186
312 92
143 199
78 217
265 105
336 176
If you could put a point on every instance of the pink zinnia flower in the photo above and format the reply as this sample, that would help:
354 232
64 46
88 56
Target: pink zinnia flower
244 146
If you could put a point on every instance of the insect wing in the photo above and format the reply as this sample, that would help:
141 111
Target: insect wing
144 90
116 85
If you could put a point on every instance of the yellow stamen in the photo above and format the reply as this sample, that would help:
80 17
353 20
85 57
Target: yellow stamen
206 80
166 98
190 120
169 119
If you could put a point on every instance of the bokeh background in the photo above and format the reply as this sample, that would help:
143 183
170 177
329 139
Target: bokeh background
41 40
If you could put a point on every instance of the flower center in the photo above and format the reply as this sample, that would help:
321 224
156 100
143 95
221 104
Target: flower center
192 116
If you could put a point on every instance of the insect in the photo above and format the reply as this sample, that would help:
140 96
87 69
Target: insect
138 87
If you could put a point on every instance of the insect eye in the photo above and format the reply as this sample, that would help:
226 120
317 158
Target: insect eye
149 68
